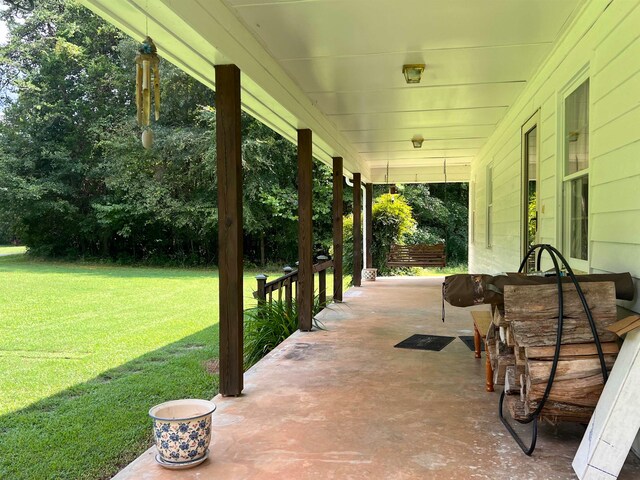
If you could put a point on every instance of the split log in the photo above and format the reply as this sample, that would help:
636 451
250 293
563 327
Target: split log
503 362
498 316
515 407
539 371
543 332
583 391
566 412
575 350
521 358
533 313
512 380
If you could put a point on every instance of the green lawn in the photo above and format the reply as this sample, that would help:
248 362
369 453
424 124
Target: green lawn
87 349
11 250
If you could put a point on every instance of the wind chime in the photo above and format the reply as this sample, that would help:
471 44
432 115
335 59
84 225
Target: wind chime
147 77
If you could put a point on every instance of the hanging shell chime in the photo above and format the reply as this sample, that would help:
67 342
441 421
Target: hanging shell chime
147 76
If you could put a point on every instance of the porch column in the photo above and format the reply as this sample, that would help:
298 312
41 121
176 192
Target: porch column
357 230
368 218
229 170
305 231
338 182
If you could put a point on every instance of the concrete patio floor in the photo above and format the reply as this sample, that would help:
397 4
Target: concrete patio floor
342 403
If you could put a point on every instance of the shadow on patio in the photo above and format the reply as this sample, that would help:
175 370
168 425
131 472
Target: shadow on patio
344 403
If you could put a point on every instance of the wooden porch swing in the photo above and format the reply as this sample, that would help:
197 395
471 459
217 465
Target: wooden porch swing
417 256
420 255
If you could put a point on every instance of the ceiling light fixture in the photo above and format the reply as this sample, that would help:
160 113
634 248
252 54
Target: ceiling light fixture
413 72
417 141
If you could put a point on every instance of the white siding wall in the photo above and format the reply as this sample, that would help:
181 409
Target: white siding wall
605 39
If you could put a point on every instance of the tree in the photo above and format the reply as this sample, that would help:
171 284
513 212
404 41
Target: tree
74 180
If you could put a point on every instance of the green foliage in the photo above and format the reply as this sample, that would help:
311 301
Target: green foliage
441 213
75 181
393 222
265 327
268 325
347 245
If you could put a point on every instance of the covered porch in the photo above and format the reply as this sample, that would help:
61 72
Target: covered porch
344 403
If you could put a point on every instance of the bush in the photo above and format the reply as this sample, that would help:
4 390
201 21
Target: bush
393 222
268 325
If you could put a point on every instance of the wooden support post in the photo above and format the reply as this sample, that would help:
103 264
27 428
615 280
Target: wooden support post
305 231
338 183
357 230
368 216
288 288
261 295
322 282
229 171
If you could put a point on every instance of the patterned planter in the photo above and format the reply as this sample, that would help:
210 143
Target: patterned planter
369 274
182 431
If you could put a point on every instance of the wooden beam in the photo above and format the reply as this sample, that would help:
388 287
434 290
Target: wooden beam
305 230
357 230
368 216
338 184
229 170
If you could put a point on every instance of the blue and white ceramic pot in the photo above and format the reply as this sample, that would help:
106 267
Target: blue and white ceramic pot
182 429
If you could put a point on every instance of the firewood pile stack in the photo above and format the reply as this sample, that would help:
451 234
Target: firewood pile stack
522 344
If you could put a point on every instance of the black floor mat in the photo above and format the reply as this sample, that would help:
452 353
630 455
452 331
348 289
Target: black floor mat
425 342
468 341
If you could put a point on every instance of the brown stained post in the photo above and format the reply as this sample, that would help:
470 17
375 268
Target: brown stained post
368 215
357 230
305 231
338 183
229 170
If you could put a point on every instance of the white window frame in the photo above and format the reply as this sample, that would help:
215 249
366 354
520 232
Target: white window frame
564 187
489 210
527 127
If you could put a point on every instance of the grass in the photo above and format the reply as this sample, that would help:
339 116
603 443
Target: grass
11 250
87 349
448 270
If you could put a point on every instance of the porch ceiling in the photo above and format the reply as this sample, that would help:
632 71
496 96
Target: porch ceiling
335 66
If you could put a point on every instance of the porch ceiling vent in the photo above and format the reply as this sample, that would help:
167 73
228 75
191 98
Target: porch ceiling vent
413 72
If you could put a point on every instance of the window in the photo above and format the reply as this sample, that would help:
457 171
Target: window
576 175
489 186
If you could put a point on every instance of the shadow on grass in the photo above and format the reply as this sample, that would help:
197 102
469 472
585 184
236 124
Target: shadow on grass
92 430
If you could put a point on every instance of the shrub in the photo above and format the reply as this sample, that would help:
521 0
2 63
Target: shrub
393 222
268 325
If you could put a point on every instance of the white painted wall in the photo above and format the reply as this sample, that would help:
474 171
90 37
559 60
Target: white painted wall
605 39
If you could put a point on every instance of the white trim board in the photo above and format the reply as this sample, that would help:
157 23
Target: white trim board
616 420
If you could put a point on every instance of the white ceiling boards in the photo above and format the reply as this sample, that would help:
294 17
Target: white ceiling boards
335 66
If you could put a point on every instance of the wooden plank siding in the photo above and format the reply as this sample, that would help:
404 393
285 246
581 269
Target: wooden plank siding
604 39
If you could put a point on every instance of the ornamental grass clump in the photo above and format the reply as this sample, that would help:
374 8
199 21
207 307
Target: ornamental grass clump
268 325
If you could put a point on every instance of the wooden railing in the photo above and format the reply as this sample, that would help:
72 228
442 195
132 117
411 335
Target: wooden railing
285 284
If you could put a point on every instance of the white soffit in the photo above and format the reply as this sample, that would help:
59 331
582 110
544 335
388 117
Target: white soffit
335 66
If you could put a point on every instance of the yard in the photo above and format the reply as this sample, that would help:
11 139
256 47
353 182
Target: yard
87 349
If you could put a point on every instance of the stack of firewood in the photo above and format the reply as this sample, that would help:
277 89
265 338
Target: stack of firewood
523 342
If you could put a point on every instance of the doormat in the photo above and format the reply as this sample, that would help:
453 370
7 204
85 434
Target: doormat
425 342
468 341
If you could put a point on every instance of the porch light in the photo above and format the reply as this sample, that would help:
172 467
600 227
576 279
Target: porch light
417 141
413 72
